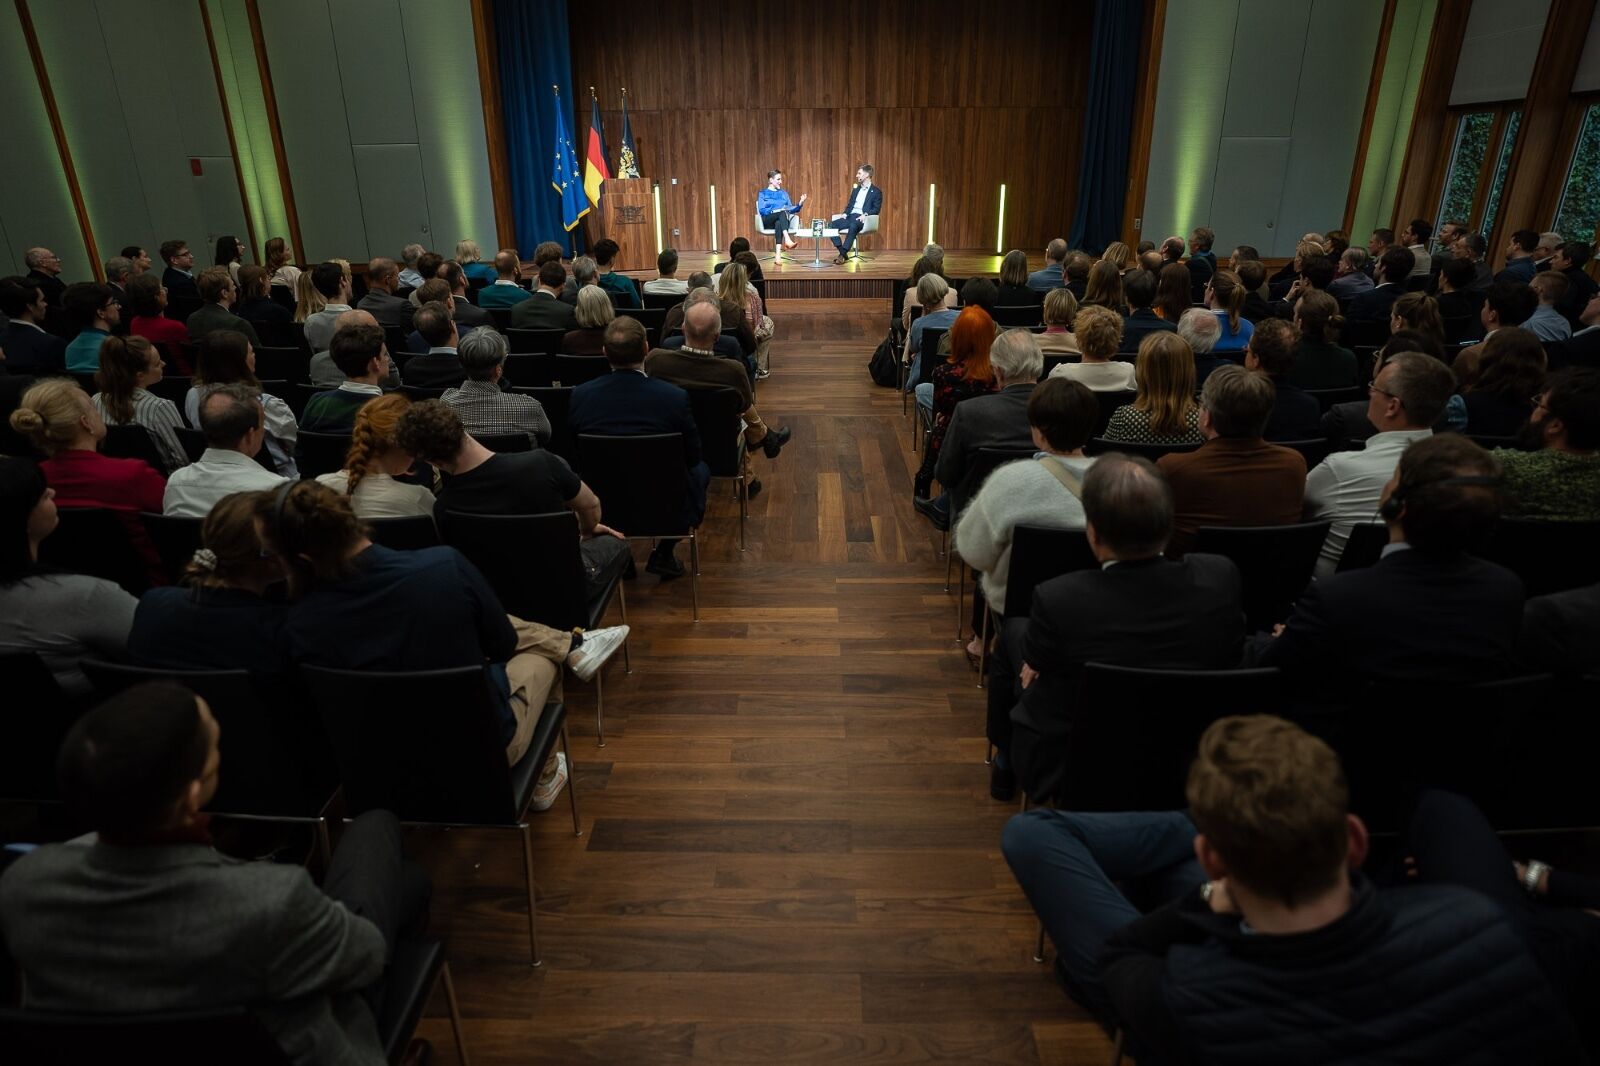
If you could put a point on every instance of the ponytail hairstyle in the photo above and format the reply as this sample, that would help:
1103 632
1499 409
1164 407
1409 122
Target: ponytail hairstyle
1230 294
1105 287
308 300
1419 311
372 437
122 360
1319 317
277 254
231 555
312 531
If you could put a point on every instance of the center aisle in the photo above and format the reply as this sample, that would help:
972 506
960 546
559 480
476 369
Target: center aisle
789 849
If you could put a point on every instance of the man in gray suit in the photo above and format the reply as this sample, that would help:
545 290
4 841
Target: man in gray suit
383 277
150 917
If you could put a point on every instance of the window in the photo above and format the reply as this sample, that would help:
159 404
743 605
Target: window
1479 160
1579 212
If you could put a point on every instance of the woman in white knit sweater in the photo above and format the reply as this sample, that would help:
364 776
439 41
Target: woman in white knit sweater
1042 491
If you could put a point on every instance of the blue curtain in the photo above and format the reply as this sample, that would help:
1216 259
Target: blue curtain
534 54
1113 80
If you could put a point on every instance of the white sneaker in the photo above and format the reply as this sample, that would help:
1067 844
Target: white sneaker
598 646
544 797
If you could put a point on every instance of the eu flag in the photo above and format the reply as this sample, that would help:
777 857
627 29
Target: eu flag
565 179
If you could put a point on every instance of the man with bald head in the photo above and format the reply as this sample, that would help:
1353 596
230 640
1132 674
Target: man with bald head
383 278
328 376
44 270
696 365
506 290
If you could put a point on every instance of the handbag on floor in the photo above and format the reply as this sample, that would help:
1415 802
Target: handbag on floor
884 366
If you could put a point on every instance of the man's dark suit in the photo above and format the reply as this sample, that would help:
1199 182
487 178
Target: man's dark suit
1561 632
543 311
1139 325
1414 617
625 403
50 284
1296 414
1202 268
1580 289
1376 304
470 314
179 284
1256 308
851 224
435 370
1152 612
999 420
391 311
30 350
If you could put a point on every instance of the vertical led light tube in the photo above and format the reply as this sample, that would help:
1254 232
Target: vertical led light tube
1000 232
714 244
932 193
655 192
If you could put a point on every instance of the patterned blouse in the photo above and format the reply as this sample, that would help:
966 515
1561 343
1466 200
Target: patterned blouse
1132 426
160 419
950 387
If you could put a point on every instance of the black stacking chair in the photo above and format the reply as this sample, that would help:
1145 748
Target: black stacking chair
320 453
33 733
716 416
1109 402
1548 556
1364 546
530 369
535 341
1018 316
98 542
404 534
1275 564
661 301
1328 397
556 401
1152 452
571 370
176 540
133 441
1314 451
289 363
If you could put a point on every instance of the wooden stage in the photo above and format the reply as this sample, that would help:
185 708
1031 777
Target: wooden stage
795 278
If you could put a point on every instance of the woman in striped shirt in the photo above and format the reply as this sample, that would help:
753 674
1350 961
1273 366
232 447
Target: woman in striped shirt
128 367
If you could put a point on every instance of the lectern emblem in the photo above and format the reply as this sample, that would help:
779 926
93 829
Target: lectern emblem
630 215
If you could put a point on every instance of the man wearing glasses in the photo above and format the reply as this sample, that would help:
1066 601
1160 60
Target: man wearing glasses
179 275
44 270
1405 399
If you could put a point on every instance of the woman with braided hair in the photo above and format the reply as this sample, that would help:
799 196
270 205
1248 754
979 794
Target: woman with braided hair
373 463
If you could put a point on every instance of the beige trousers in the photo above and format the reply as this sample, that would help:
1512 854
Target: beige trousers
534 674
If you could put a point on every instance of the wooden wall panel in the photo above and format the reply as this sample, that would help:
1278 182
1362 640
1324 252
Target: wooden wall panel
959 98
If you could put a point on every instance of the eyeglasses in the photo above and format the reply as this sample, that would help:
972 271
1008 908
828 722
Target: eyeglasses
1538 402
1372 386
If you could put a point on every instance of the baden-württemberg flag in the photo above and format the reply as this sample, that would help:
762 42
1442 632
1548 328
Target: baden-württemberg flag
565 178
594 167
628 165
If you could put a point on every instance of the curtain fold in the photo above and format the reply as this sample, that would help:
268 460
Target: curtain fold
534 53
1108 126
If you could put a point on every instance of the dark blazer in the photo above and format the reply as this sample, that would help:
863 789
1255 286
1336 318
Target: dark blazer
436 370
1296 414
625 403
873 206
1580 289
542 311
264 309
392 312
1376 303
1017 296
1346 423
51 284
1521 270
208 318
1202 267
179 284
1139 325
1233 483
1460 313
1415 616
1561 632
1256 308
33 351
998 420
1153 612
470 314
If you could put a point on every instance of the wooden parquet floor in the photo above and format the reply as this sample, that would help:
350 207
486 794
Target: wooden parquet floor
789 851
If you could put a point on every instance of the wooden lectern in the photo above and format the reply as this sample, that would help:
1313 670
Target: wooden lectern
627 215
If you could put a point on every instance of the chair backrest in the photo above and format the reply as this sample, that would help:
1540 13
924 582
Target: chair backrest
1548 556
531 561
404 534
641 481
179 308
1135 731
320 453
1109 402
174 387
573 370
288 363
504 442
897 301
650 317
1326 398
193 441
37 720
98 542
1367 333
426 745
661 301
1275 564
1152 452
1364 546
716 415
530 369
132 441
928 354
396 339
983 464
192 1038
276 760
176 540
298 394
556 401
418 393
1485 440
1018 316
1313 451
1037 555
501 317
545 341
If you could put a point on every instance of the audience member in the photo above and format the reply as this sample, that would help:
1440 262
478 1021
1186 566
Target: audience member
1164 411
1296 415
309 962
61 617
229 254
1319 361
333 285
471 260
1505 304
1052 274
218 293
627 403
1519 266
1408 394
1202 261
1561 633
147 303
375 461
326 374
1417 311
140 258
92 309
1059 313
545 309
479 402
1570 261
409 276
735 341
1123 258
966 372
1013 282
506 290
280 265
736 291
1099 336
44 271
232 420
29 348
1498 394
435 290
1139 287
1558 476
128 367
1459 301
383 278
594 313
1225 297
584 272
1076 271
440 367
226 358
1415 239
1351 279
118 270
1235 478
255 306
1200 329
666 282
936 314
1104 288
221 617
1136 608
1547 323
1253 276
920 269
605 256
359 353
1473 248
178 277
1374 305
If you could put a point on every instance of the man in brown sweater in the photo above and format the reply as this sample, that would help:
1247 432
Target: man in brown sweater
1235 478
697 366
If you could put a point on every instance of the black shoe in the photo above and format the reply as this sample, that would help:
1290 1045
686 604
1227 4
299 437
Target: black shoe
840 260
1002 782
774 441
925 508
666 567
752 488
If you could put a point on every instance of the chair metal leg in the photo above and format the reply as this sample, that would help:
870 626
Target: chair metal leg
988 753
961 600
1116 1049
572 781
694 573
949 558
983 648
455 1014
622 601
599 707
533 910
1038 948
744 508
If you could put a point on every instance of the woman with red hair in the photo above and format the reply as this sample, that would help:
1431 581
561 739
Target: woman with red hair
964 373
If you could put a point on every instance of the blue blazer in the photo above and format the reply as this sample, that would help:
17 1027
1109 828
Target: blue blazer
625 403
33 351
873 206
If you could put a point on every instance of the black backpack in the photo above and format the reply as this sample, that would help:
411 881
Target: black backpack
884 366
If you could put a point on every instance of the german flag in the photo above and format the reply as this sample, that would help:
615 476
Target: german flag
594 167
